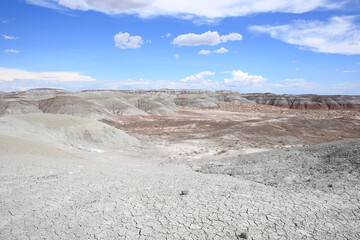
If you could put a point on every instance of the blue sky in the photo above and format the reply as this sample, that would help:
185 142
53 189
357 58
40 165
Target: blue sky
249 46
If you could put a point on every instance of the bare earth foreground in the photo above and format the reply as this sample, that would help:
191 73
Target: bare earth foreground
230 171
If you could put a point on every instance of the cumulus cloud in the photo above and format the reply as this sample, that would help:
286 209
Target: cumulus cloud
124 41
9 37
207 38
339 35
199 79
201 8
192 39
221 50
231 37
207 52
8 75
204 52
239 78
11 51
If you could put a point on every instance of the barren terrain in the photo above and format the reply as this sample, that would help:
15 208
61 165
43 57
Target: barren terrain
177 164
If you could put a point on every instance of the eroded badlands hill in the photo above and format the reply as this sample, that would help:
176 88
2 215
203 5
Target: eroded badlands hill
111 104
306 101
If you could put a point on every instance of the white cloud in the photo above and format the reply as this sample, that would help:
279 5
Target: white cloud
9 37
52 4
23 88
192 39
338 35
207 52
4 21
231 37
199 79
124 41
221 50
351 71
8 75
210 9
166 35
350 88
204 52
207 38
239 78
11 51
176 56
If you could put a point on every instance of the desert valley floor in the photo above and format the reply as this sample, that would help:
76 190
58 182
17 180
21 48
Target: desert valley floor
177 164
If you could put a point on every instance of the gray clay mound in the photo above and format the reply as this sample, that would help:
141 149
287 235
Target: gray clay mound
119 107
18 107
76 132
157 107
235 98
75 106
205 102
323 166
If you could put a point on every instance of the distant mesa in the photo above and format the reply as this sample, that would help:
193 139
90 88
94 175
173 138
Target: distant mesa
306 101
158 91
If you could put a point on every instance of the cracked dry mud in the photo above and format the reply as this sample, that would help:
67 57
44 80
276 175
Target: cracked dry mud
62 181
78 198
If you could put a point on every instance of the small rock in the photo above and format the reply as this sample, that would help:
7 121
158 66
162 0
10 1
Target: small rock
243 235
330 185
184 192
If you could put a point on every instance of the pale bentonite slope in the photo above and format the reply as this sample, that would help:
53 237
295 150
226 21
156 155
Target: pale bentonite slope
67 132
